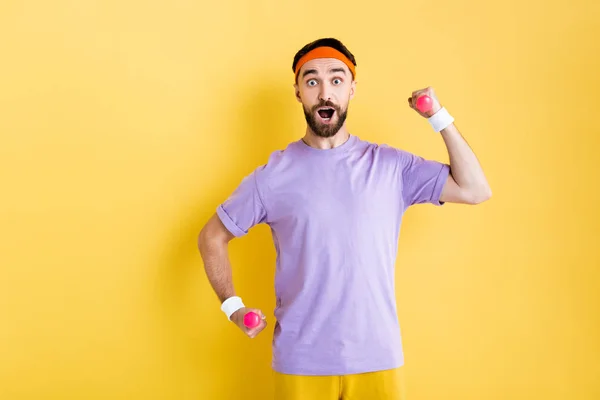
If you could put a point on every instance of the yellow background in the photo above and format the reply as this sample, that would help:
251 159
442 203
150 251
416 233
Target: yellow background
124 123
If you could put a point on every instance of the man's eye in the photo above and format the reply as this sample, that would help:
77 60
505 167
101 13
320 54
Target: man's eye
337 81
312 82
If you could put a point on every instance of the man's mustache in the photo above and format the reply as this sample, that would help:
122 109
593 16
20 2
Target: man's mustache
325 104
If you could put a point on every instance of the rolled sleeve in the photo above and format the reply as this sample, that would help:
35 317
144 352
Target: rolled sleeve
422 180
229 223
442 177
244 208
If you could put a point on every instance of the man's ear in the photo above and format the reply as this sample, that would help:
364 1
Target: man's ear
297 92
352 89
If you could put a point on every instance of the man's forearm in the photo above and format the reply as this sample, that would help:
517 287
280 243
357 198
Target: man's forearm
217 266
466 170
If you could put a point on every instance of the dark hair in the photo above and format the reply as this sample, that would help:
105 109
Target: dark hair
328 42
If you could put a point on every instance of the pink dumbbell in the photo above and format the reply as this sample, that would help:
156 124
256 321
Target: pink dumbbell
251 320
424 103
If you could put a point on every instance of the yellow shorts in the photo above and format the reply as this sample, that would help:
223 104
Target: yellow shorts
380 385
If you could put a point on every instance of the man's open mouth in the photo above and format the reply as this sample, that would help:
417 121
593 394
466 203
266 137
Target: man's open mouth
326 113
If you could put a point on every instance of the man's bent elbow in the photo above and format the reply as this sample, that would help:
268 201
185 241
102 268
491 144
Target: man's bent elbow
480 196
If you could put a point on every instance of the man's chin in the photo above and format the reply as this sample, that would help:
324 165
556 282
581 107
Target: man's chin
325 129
326 133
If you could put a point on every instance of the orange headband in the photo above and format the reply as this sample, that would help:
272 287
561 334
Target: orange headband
324 52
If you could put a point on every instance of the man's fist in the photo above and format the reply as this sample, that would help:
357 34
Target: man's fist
435 106
238 318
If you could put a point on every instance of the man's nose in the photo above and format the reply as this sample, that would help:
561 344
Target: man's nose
325 93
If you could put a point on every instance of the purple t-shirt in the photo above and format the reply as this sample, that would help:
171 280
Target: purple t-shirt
335 217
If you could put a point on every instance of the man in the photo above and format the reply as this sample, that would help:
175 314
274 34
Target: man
334 203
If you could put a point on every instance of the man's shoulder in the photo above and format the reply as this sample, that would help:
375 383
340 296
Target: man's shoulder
402 154
379 149
278 160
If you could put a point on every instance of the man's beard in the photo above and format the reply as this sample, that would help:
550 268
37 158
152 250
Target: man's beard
325 130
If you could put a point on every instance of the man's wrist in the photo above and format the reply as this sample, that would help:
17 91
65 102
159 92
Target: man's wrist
231 305
440 120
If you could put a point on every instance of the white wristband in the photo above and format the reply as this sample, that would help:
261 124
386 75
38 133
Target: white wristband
440 120
231 305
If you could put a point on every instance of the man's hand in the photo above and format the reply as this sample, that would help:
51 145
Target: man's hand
238 318
435 107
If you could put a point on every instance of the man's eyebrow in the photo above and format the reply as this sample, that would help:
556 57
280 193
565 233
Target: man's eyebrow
309 71
338 69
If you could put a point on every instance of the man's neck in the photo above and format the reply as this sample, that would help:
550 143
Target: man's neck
326 143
